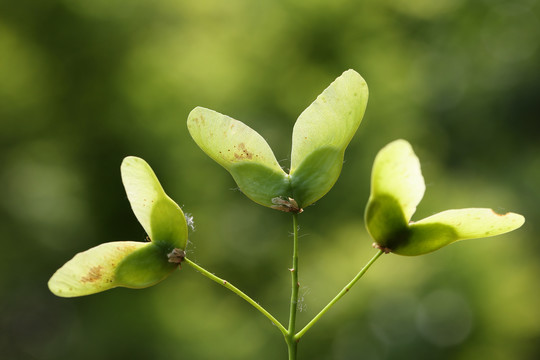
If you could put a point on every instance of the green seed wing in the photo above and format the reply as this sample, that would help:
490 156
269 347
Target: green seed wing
321 135
446 227
93 270
160 216
124 263
242 152
397 186
396 173
475 222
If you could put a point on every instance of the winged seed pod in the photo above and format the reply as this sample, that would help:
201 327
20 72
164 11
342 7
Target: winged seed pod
320 136
128 263
397 186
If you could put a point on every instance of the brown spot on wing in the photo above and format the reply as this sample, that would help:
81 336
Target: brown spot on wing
94 274
244 152
200 119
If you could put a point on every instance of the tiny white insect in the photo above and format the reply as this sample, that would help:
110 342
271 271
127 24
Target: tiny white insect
190 222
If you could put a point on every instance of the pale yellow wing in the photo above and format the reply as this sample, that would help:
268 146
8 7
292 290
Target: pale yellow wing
93 270
160 216
321 135
446 227
242 152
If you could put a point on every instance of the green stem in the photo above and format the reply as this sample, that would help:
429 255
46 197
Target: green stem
292 342
238 292
338 296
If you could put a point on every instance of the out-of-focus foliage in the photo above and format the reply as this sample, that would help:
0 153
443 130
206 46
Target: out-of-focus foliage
85 83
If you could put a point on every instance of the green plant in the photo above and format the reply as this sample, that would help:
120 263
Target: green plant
320 137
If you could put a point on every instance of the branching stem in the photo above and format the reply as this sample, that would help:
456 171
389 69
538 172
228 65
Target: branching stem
338 296
290 337
238 292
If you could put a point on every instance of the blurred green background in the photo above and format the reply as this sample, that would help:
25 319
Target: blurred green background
85 83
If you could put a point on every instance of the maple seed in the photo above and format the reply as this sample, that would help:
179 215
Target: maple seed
286 204
176 256
385 249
